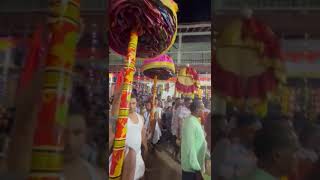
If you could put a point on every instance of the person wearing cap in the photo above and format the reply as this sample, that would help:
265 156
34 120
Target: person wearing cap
193 144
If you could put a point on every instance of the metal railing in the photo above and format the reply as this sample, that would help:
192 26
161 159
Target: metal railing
267 4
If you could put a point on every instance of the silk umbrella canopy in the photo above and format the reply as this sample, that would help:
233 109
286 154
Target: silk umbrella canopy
248 66
187 83
161 67
137 29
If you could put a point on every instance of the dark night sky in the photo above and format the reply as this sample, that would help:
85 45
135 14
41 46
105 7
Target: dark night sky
194 10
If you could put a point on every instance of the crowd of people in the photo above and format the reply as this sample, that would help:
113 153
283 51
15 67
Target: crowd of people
246 147
178 129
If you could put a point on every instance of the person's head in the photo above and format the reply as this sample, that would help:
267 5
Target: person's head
196 108
187 102
177 102
310 137
148 106
75 136
276 149
157 102
246 126
169 98
133 104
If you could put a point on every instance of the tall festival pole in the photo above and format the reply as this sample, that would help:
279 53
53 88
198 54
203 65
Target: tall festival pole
154 96
121 128
48 144
157 27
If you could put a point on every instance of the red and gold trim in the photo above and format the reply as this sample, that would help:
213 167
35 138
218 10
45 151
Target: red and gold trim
117 156
47 159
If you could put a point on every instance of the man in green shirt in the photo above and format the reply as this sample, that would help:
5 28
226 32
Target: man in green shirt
193 144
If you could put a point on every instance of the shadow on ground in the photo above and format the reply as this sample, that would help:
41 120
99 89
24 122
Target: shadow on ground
160 166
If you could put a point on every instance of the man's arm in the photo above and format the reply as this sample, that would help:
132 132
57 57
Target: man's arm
129 166
111 136
112 129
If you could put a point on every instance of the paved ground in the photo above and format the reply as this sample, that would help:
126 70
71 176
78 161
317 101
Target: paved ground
162 166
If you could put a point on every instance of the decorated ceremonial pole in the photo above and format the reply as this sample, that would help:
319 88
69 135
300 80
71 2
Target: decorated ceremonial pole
159 68
154 101
121 128
48 144
156 28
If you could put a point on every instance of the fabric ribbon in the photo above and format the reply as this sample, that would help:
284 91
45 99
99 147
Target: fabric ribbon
155 22
161 66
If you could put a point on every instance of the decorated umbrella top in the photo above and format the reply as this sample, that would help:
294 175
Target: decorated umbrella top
248 61
187 81
161 66
154 21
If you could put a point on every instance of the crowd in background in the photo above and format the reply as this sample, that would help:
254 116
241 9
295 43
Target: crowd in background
246 147
167 133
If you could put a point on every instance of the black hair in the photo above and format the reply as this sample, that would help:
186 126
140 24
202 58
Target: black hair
246 119
195 105
271 137
186 99
133 96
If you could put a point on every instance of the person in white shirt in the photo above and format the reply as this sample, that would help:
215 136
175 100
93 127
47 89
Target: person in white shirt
182 113
157 131
134 140
146 116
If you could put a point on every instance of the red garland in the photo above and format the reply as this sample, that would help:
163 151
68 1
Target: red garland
193 73
192 88
185 89
260 32
231 85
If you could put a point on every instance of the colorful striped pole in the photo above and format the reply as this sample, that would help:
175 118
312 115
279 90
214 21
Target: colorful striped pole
117 156
154 96
64 25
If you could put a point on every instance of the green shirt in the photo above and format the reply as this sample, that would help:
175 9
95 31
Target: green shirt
258 174
193 145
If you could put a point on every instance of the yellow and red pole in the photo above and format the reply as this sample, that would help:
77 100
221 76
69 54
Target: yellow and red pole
117 156
154 96
48 144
